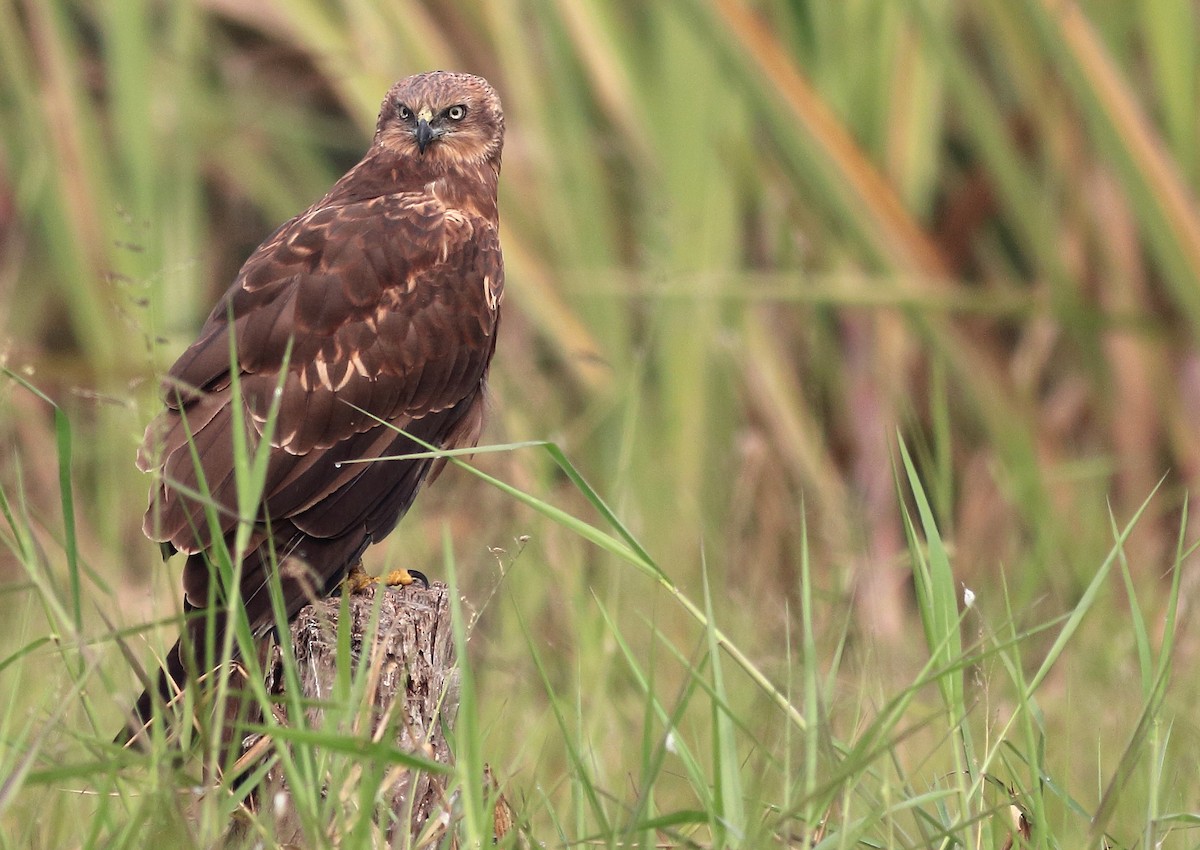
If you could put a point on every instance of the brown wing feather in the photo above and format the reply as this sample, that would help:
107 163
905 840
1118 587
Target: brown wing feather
394 320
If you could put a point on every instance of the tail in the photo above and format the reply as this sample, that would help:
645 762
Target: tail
181 665
299 585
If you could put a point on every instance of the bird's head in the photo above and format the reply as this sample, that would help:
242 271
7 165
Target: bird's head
443 118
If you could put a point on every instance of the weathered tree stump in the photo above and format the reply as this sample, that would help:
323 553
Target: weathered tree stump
405 640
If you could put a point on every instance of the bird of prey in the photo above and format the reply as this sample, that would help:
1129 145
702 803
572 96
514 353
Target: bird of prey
371 315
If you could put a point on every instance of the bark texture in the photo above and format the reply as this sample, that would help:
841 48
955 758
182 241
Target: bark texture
411 689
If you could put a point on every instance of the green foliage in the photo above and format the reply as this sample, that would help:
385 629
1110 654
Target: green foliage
746 248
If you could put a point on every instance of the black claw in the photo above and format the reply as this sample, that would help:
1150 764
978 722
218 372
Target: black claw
417 575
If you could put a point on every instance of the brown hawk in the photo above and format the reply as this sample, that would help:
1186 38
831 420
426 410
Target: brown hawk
378 304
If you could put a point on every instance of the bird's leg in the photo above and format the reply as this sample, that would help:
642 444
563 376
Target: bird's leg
358 580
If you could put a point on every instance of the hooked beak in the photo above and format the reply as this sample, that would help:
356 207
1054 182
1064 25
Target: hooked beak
424 134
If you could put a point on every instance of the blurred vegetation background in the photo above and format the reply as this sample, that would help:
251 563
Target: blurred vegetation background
748 244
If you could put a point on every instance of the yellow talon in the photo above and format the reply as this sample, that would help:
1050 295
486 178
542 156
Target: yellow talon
396 578
357 580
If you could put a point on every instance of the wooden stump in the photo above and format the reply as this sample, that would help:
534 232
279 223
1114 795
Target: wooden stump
412 691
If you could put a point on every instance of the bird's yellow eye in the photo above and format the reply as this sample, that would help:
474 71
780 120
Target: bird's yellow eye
456 113
404 112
